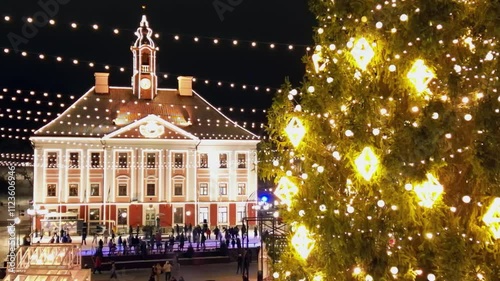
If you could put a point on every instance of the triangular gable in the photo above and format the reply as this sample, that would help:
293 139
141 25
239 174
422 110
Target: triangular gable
151 127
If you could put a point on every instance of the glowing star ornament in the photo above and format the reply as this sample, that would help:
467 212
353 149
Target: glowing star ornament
362 53
420 76
319 62
367 163
295 131
302 242
428 192
285 191
492 218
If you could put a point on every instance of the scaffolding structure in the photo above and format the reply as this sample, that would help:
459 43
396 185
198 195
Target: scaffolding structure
49 262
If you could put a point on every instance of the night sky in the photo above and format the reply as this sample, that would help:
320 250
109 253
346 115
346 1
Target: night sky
282 22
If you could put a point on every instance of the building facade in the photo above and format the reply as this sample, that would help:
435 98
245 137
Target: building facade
142 155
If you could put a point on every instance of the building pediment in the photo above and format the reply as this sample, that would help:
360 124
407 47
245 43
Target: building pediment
151 127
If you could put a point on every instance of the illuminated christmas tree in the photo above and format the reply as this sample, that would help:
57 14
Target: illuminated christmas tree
386 159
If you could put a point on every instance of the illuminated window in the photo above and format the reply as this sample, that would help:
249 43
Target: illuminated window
178 160
51 190
178 189
73 189
203 188
122 189
203 216
242 189
74 160
151 160
203 160
94 189
222 188
223 160
95 160
222 215
52 160
178 215
122 160
94 214
242 160
150 189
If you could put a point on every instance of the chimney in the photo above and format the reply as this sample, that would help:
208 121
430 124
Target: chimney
185 85
101 83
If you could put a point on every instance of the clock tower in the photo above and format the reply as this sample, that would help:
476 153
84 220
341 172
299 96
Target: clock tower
144 80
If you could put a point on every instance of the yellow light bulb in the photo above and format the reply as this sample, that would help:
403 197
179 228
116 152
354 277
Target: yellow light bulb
420 76
302 242
362 53
295 131
367 163
428 192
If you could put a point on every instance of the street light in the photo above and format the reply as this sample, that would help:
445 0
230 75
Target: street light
124 220
35 211
17 221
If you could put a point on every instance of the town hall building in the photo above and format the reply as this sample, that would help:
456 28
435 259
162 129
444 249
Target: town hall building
144 155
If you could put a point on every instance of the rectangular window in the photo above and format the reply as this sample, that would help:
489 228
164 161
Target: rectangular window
223 160
242 160
203 214
178 160
74 160
204 189
240 214
222 214
151 160
52 160
94 189
73 189
74 211
122 216
222 188
150 189
122 189
178 215
51 190
94 214
242 189
95 160
122 160
178 189
203 160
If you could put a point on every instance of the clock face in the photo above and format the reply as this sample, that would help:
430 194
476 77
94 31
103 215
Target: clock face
145 83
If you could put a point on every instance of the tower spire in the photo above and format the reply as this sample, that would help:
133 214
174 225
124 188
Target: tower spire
144 33
144 80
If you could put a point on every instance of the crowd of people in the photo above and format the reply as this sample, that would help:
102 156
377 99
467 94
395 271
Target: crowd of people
181 239
194 237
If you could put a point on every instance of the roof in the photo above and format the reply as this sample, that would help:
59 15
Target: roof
100 115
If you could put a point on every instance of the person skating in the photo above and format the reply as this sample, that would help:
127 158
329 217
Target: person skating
167 268
113 271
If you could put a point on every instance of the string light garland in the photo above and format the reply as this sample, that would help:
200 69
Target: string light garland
214 41
27 96
121 69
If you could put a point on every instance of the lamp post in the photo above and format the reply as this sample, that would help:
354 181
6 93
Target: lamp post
34 212
124 221
17 221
